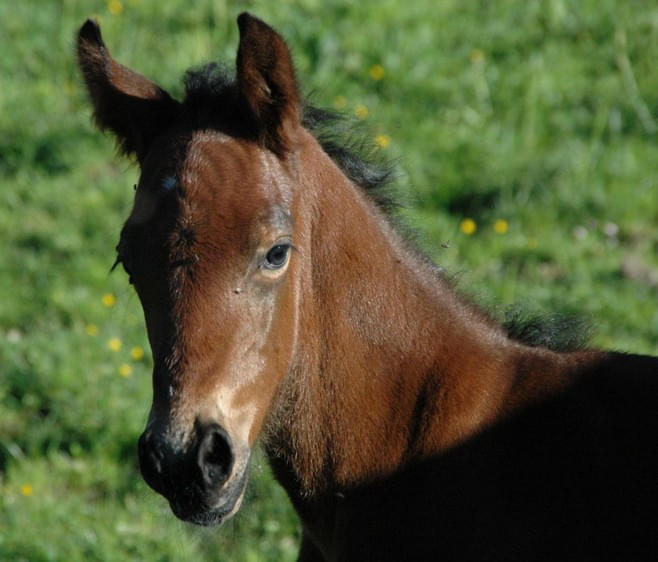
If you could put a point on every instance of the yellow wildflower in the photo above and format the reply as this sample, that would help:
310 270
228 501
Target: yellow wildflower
114 344
500 226
377 72
125 370
109 300
340 102
382 141
115 7
361 111
91 329
468 226
26 490
477 56
137 353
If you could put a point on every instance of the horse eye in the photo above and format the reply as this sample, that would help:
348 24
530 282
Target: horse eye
277 256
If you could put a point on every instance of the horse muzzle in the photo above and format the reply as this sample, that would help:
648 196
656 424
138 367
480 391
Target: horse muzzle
204 481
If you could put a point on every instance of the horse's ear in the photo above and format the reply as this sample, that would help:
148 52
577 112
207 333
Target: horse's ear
135 109
267 83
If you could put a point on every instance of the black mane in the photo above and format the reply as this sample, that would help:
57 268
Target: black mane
212 86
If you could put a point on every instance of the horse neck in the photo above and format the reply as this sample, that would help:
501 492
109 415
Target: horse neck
392 366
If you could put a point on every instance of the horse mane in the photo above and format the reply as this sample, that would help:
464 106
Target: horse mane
212 88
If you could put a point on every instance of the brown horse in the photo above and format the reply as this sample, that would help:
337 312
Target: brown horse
281 303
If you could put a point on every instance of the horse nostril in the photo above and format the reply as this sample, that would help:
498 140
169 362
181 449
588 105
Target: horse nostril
215 456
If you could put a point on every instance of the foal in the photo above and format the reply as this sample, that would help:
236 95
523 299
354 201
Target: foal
279 302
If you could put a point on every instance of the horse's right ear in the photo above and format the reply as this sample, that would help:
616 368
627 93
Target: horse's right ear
135 109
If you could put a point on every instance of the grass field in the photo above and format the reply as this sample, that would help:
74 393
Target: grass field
526 139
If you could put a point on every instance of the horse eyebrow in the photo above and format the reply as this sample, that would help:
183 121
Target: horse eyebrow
279 217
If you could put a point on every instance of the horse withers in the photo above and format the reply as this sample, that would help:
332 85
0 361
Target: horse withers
282 306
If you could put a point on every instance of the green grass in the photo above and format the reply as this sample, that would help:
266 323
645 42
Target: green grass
542 114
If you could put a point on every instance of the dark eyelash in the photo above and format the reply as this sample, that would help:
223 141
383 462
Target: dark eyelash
175 265
118 261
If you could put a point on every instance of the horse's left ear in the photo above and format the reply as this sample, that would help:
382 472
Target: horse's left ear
267 84
135 109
